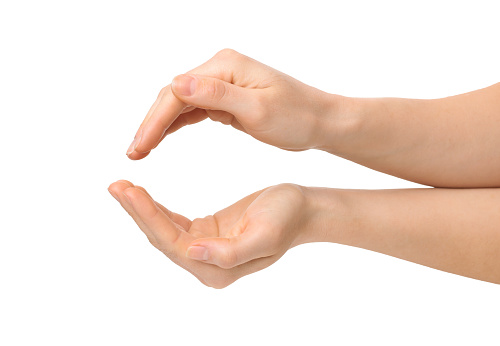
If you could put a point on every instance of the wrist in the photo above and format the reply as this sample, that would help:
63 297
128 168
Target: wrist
330 215
338 123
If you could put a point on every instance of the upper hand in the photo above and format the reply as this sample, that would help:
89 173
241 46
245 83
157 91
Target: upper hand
239 91
244 238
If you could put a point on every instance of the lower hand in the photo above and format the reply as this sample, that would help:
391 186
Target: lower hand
244 238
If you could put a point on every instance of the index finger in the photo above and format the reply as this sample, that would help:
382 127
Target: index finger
169 107
167 110
171 239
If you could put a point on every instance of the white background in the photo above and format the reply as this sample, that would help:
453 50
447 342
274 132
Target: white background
76 80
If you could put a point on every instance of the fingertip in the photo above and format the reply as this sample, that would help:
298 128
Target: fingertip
111 186
167 110
112 192
126 182
116 187
135 155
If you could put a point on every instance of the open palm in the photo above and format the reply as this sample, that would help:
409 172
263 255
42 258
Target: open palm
218 249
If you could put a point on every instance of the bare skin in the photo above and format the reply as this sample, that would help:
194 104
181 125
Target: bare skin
451 230
449 142
246 237
446 143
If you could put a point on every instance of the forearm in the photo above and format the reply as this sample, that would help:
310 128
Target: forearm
449 142
457 231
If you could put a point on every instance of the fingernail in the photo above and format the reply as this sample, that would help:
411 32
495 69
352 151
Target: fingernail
113 194
134 143
184 85
131 148
199 253
138 139
127 198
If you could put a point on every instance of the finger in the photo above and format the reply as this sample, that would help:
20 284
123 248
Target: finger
181 220
251 267
188 109
183 122
116 189
171 239
152 109
212 93
168 109
199 114
236 124
192 115
228 217
138 156
230 252
255 265
190 118
135 155
217 277
138 134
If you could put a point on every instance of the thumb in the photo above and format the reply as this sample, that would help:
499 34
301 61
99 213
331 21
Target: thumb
212 93
230 252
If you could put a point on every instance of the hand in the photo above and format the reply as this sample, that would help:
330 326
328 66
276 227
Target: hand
239 91
244 238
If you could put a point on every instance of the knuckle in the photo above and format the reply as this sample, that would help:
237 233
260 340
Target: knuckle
198 220
209 220
275 241
260 112
214 89
226 119
218 281
199 223
152 241
154 214
227 53
260 100
163 91
217 284
203 281
226 262
291 188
